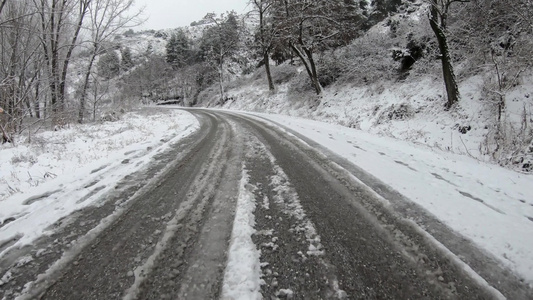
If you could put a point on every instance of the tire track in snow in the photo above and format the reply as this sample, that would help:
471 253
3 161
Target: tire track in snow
207 261
292 256
128 231
157 277
287 197
371 258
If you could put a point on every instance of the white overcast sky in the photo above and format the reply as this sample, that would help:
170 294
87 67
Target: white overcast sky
163 14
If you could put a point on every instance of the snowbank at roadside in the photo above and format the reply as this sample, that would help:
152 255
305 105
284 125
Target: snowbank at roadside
63 171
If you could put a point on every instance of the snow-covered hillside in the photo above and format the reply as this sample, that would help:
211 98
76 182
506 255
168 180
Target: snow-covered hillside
412 110
372 95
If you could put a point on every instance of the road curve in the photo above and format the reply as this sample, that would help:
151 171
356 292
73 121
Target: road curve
321 233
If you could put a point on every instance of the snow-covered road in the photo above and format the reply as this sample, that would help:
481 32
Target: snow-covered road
487 204
245 208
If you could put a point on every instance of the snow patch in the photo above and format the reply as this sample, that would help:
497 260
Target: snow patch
266 202
242 277
287 197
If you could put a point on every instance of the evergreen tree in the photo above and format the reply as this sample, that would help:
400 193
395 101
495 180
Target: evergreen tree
219 43
126 58
178 50
109 65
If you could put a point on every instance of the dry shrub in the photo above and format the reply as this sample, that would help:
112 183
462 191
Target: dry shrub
330 68
283 73
367 60
370 58
510 145
402 111
300 86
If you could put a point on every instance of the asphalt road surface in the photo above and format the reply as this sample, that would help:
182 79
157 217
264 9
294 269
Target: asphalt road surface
164 233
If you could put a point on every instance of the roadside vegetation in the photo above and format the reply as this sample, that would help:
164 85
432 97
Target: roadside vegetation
456 72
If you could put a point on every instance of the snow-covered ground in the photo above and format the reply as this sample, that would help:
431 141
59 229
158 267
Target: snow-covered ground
488 204
63 171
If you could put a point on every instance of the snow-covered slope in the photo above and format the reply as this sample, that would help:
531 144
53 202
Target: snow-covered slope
412 110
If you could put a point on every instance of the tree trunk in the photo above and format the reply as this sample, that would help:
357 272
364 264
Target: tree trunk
52 37
54 41
29 106
450 81
83 96
5 136
84 5
221 81
266 48
314 78
46 108
49 41
2 4
37 99
309 67
95 101
500 93
266 60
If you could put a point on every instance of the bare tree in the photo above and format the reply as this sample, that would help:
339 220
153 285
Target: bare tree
311 26
523 11
147 80
500 37
266 35
438 20
19 64
2 4
98 91
107 17
6 138
61 23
